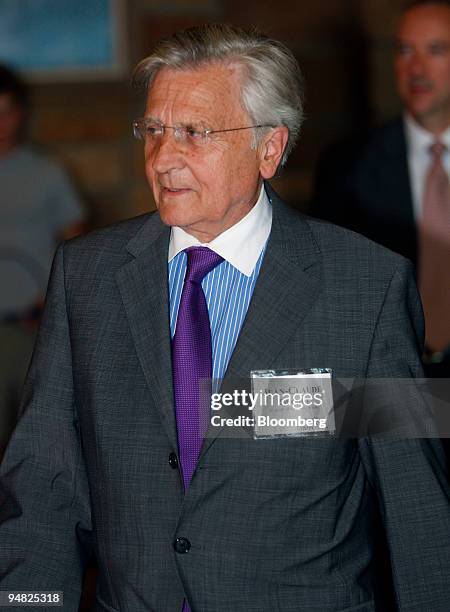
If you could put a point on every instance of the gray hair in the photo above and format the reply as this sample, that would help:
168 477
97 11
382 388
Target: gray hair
272 90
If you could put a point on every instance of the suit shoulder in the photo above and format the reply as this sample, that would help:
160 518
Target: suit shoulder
343 247
389 137
108 242
104 250
343 155
112 236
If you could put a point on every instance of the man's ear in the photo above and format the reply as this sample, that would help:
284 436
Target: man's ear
271 150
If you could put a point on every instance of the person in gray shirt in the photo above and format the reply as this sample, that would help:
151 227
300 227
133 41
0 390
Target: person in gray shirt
38 207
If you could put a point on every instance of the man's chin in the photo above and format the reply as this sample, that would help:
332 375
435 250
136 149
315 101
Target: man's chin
421 107
430 116
174 218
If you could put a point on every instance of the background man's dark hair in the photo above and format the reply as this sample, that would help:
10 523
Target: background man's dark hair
11 83
410 4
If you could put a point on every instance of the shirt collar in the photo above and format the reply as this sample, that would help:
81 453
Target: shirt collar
419 140
241 244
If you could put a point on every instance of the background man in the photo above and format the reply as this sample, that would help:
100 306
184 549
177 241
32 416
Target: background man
111 450
397 189
38 208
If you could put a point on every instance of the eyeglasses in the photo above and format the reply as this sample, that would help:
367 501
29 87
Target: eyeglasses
152 131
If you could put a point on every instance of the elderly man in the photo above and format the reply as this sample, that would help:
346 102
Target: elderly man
111 453
397 188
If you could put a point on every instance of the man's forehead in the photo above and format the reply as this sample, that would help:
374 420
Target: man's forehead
203 92
431 20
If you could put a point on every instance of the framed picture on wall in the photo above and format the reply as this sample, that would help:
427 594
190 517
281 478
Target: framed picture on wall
64 39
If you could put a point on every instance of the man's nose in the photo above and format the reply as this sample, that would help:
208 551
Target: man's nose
417 65
168 153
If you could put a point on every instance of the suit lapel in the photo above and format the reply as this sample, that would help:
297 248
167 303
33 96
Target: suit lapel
144 288
285 291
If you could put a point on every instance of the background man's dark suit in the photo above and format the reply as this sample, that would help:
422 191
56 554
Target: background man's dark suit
366 186
273 525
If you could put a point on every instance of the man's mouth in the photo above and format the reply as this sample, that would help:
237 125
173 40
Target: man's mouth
420 87
174 190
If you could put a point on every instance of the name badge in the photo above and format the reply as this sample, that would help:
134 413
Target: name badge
292 403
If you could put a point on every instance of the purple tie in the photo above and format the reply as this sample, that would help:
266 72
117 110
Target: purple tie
192 359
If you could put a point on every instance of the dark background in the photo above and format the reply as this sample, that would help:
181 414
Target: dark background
344 49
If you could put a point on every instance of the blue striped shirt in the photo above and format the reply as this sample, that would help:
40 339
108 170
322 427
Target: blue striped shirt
228 293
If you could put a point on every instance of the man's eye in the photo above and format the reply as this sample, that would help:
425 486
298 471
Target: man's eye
195 133
402 49
153 129
439 49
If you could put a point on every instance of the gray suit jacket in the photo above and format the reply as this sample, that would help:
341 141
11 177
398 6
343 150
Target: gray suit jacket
287 525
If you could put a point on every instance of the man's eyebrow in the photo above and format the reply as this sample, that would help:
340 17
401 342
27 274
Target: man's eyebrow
187 123
404 42
439 43
401 41
152 117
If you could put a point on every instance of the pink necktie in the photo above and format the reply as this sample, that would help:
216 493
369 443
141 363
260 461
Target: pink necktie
434 253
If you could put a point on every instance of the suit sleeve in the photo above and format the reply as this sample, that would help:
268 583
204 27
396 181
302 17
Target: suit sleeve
408 473
45 525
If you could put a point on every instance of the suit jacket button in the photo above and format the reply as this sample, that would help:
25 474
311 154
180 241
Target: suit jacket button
173 461
182 545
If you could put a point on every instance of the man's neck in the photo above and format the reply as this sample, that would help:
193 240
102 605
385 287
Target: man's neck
434 125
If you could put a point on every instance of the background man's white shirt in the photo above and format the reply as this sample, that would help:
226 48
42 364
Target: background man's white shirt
418 142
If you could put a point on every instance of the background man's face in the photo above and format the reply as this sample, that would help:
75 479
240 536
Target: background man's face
422 64
208 189
11 117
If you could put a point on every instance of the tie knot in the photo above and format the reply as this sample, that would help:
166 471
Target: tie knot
437 149
200 261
